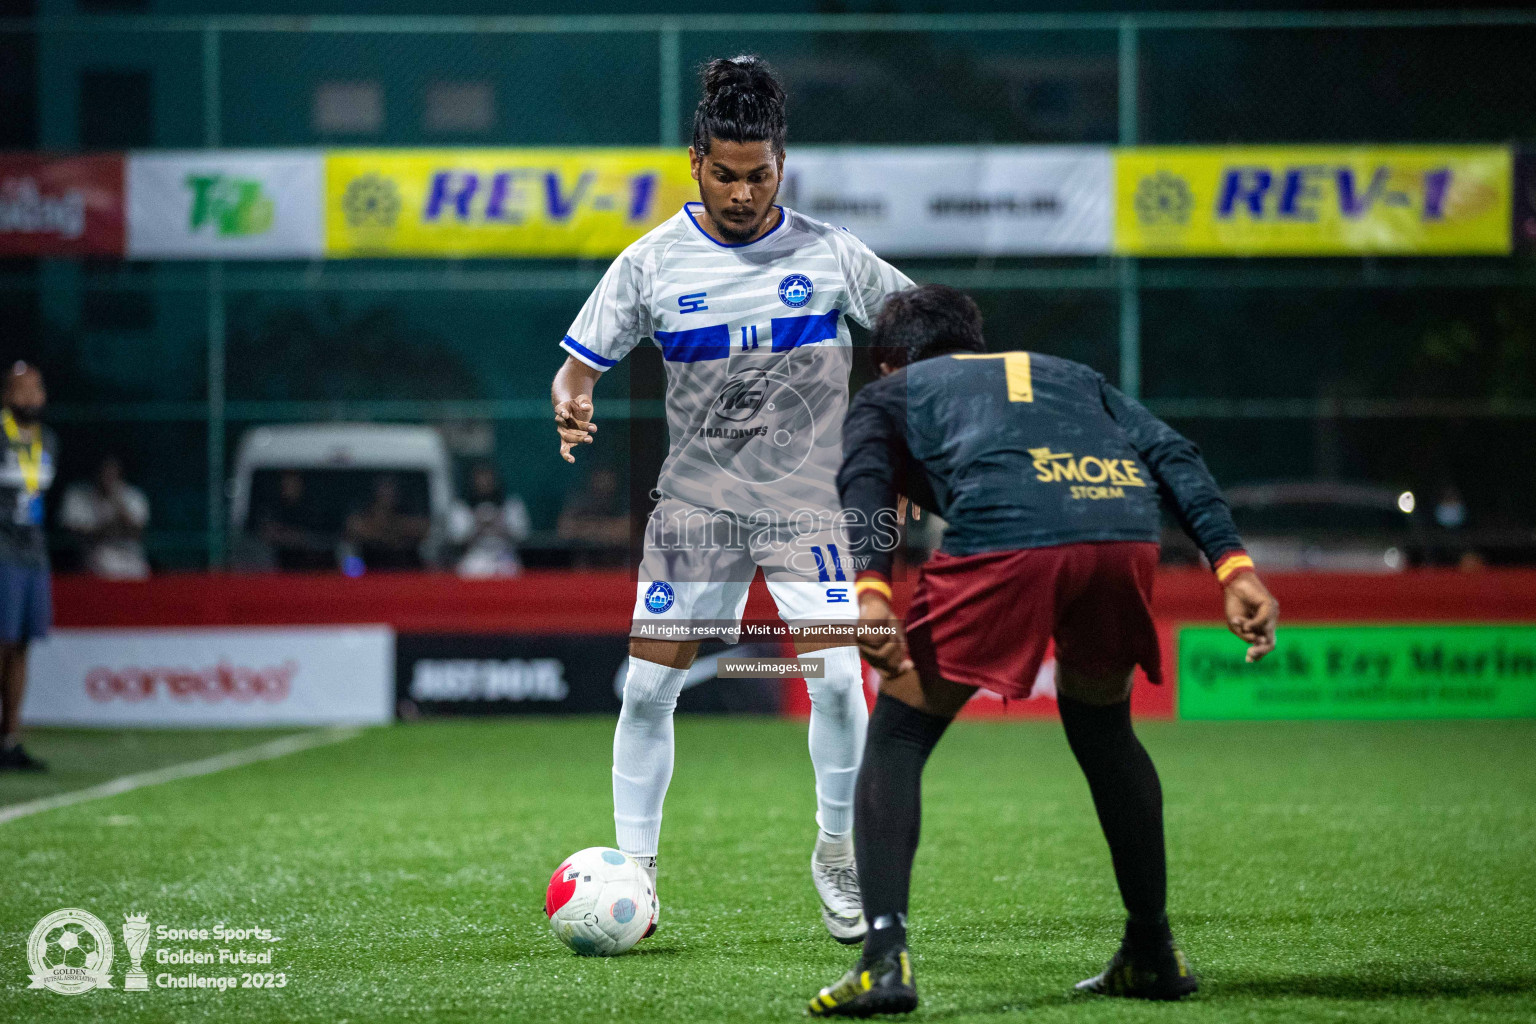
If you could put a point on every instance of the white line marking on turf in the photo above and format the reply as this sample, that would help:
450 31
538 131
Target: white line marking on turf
207 766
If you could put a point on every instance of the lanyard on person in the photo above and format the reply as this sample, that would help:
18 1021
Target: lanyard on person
30 458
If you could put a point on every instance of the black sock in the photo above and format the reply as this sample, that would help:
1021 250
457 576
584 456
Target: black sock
887 812
1129 799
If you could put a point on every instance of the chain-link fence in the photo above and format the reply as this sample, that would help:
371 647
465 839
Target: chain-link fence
1418 373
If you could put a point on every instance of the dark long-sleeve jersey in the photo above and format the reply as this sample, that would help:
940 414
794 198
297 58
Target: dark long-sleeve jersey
1020 450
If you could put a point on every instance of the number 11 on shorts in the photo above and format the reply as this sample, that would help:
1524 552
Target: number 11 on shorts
821 564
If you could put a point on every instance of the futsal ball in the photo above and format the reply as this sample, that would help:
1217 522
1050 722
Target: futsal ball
600 902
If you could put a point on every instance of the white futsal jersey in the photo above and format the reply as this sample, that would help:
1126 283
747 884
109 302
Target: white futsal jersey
757 353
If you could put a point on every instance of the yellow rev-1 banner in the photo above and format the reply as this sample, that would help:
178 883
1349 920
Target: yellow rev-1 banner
1312 200
499 202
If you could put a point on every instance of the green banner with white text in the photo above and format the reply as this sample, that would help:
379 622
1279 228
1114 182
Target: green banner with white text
1362 671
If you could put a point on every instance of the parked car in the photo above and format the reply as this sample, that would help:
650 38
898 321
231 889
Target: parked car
295 488
1320 525
1329 526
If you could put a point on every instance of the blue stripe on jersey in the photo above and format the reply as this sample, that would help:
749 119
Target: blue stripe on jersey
575 347
692 346
793 331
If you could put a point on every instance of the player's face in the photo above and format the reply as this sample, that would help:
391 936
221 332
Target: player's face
738 182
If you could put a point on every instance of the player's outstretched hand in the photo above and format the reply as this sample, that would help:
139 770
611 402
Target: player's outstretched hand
1252 612
573 422
880 638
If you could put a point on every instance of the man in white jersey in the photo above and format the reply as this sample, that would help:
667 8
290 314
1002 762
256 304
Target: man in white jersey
748 303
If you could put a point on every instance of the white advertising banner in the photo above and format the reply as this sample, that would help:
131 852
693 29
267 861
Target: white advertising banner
959 200
226 204
258 676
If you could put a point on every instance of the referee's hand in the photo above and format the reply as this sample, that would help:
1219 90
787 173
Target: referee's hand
880 638
573 422
1252 612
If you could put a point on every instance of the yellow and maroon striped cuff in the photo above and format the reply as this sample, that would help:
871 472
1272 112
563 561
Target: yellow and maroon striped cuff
1232 563
869 581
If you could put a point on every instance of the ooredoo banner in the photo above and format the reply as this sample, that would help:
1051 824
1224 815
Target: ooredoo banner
1312 200
499 202
61 206
211 677
959 200
226 204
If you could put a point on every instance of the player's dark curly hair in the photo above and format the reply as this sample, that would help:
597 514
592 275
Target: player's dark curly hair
742 102
923 322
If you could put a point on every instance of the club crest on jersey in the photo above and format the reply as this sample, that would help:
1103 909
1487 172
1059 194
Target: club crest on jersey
796 290
659 597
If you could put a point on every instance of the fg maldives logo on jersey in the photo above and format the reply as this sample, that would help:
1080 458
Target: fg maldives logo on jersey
659 597
796 290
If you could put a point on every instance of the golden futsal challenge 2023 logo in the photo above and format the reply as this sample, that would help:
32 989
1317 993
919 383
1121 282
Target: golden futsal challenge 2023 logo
70 952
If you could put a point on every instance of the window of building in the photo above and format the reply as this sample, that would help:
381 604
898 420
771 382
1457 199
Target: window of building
348 108
456 108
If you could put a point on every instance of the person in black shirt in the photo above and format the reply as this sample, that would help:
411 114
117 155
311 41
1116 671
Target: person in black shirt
383 533
301 537
26 592
1049 480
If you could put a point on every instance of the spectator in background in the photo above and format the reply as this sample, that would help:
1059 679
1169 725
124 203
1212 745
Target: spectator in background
108 515
1451 516
295 530
383 534
488 526
595 516
1450 509
26 592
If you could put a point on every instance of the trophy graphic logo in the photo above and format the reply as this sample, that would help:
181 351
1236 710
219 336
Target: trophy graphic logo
136 938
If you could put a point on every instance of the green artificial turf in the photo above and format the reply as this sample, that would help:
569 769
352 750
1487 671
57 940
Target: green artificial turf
1330 871
78 758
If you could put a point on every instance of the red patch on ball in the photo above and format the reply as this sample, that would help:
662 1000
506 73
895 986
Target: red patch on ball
559 892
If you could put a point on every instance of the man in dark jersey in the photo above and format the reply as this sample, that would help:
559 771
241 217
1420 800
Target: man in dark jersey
26 601
1049 480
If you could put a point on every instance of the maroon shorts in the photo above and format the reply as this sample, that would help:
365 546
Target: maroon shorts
988 619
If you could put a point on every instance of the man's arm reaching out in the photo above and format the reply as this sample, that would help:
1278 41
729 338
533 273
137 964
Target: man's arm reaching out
572 398
1175 463
869 484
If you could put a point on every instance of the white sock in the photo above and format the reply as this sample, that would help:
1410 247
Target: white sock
836 850
839 719
642 754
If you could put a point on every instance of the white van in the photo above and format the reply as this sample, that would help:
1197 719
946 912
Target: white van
294 487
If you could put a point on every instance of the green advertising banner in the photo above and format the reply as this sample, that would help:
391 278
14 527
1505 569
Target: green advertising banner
1362 671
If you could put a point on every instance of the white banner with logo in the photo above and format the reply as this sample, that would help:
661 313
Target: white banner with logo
258 676
959 200
226 204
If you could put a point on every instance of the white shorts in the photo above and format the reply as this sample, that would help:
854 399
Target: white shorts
698 567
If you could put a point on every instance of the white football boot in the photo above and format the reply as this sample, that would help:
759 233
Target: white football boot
837 883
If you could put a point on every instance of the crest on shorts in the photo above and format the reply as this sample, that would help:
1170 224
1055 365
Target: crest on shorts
659 597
